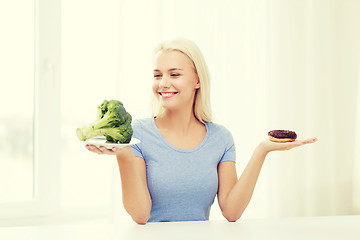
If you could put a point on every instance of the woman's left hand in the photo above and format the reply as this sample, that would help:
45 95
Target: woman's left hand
269 146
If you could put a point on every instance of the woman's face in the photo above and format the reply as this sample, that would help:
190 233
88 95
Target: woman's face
175 80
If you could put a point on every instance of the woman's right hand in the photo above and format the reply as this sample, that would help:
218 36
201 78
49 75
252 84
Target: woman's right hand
104 150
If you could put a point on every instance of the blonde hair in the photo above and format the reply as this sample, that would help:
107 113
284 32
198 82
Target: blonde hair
201 107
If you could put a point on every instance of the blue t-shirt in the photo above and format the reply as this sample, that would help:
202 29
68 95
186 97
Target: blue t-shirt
182 183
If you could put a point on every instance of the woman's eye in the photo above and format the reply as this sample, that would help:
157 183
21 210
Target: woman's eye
157 76
175 74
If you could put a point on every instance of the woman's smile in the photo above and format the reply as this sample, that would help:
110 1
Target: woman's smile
167 94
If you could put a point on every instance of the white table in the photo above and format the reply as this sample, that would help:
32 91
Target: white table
339 227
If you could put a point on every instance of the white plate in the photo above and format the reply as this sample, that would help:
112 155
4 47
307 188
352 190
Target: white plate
101 141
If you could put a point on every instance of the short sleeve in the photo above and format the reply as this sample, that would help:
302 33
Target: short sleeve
229 152
137 133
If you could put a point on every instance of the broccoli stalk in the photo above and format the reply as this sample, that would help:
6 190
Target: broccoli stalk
113 122
87 132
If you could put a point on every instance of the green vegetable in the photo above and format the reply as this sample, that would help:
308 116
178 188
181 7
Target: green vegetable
112 121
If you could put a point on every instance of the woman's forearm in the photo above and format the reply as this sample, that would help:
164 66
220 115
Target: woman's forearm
135 194
240 195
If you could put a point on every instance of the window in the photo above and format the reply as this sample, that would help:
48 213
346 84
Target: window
30 67
17 100
65 178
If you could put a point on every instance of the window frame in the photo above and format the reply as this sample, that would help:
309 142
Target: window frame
47 118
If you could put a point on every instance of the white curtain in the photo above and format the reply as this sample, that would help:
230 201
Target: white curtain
311 78
276 64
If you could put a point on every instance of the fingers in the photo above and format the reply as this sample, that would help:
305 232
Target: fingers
92 148
310 140
299 143
100 150
275 146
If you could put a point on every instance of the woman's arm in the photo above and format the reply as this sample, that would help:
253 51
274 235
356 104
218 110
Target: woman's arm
234 195
135 193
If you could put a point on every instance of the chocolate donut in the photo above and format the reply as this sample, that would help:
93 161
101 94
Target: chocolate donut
282 136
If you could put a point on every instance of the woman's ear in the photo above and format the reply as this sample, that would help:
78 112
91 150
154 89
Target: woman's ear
197 86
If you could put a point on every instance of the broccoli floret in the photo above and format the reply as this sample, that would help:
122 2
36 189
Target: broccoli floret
112 121
102 109
122 133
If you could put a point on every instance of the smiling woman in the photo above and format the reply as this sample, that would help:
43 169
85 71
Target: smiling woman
260 54
183 161
277 65
171 84
190 66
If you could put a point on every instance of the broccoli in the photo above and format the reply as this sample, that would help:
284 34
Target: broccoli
112 121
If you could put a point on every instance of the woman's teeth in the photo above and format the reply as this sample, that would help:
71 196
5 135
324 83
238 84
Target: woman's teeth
167 94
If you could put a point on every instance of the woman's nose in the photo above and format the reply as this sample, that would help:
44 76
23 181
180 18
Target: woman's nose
164 82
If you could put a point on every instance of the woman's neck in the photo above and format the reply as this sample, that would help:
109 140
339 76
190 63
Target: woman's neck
179 121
